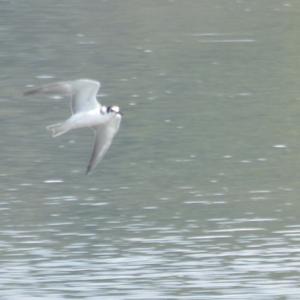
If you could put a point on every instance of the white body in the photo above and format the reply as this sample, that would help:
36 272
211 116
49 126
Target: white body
86 112
89 119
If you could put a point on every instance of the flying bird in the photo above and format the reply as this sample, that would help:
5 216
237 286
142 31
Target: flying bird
86 112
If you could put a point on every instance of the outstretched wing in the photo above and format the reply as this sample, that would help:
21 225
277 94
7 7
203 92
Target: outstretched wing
104 135
82 91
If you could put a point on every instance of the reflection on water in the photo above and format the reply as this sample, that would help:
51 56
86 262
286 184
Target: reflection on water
198 196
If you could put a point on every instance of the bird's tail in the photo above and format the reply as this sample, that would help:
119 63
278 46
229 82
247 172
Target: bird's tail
57 129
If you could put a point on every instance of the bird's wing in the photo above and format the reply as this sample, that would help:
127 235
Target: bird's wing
63 88
104 135
84 95
82 91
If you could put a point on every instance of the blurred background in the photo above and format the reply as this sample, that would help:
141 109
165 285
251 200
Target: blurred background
198 197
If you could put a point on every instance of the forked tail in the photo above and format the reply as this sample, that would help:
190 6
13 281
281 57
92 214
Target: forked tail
57 129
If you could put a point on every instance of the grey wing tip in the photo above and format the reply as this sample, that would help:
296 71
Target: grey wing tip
88 170
30 92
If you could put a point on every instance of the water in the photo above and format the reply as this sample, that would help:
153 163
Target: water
198 196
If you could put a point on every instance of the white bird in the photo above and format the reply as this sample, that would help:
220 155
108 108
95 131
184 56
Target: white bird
86 112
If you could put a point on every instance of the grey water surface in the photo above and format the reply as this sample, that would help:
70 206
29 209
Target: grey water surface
198 197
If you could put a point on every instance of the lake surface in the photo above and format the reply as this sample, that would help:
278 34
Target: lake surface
198 197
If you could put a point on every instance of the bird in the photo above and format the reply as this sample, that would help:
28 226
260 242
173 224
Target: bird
86 111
